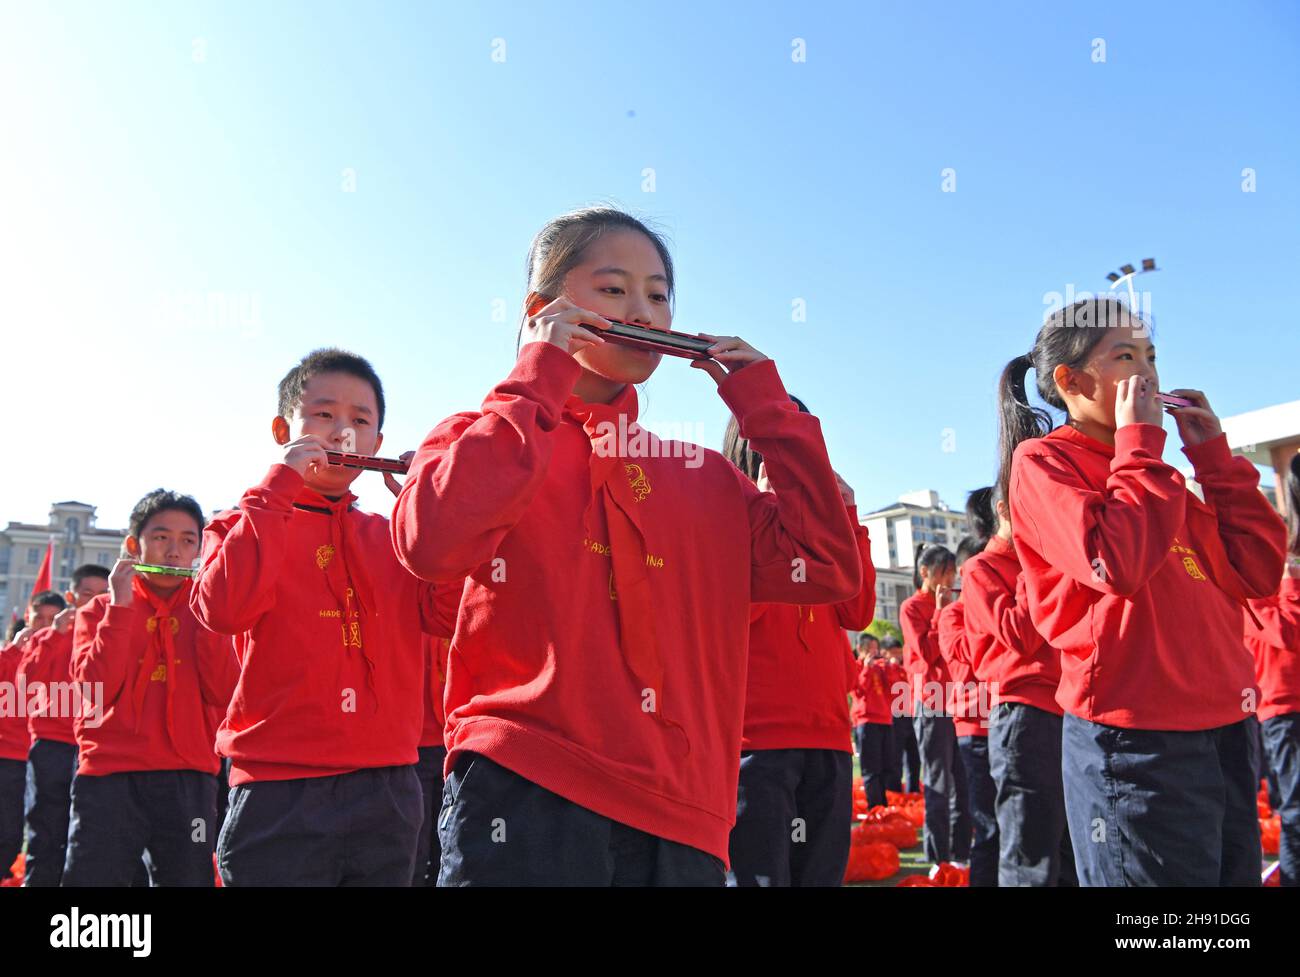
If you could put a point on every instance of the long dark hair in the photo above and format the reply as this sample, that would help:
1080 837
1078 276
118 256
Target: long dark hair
737 450
1068 336
934 558
1293 504
981 520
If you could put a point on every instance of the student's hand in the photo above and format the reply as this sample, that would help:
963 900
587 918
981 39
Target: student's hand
764 485
306 455
393 484
560 323
944 595
1292 569
731 352
1196 424
1136 403
119 582
846 492
22 638
63 620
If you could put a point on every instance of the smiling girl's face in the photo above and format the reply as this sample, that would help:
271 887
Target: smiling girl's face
621 277
1089 391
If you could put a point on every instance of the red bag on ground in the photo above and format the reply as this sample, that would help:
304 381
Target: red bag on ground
871 861
917 881
16 872
1270 834
947 875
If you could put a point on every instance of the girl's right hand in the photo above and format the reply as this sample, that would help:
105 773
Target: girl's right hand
1136 403
560 323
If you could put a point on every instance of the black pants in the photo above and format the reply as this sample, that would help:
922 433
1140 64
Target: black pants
13 785
357 828
980 795
1157 807
428 853
498 828
875 743
117 816
904 758
1025 762
48 809
793 814
223 797
947 822
1282 742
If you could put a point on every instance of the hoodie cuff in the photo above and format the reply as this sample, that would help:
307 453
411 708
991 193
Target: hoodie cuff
1138 439
1209 456
276 491
753 386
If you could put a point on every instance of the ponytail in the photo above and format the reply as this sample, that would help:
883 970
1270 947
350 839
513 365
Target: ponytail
916 566
981 520
1017 419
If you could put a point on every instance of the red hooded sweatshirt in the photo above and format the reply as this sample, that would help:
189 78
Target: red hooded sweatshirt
47 665
1005 650
872 698
927 672
160 671
968 698
1277 649
799 659
327 629
435 682
602 637
1137 582
14 700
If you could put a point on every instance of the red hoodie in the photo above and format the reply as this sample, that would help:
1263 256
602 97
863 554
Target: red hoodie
156 713
872 697
1005 650
1137 582
327 629
434 683
799 657
48 661
14 740
968 699
927 672
1277 649
636 716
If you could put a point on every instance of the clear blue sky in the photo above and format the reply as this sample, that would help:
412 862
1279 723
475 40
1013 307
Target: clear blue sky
157 152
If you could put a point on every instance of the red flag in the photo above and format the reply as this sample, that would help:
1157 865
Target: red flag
43 575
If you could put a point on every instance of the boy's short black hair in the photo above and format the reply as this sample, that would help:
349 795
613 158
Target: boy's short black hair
48 598
329 360
890 642
161 500
88 570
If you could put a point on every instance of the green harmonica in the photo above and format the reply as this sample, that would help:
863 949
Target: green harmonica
168 571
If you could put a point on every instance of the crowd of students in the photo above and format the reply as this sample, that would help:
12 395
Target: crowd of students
562 662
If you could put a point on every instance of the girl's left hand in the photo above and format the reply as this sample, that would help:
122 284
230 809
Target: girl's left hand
1196 424
729 351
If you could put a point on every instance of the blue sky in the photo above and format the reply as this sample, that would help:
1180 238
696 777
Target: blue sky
157 154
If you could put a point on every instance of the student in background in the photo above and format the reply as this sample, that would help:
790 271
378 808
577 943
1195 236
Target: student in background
795 789
947 821
968 706
873 723
1022 673
146 763
1277 669
52 760
15 740
904 771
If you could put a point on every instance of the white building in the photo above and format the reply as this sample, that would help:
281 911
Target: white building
917 517
77 540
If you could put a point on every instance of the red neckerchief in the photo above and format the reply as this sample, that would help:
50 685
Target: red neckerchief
611 484
161 648
345 574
